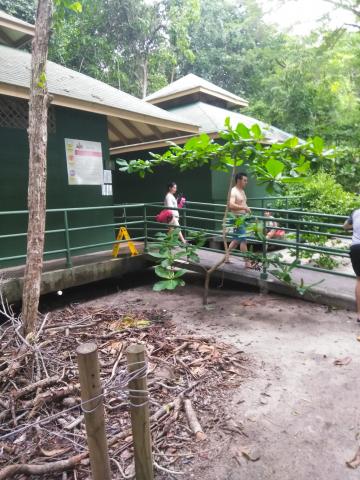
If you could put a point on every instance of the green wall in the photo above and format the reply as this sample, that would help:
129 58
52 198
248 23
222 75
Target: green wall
14 155
199 185
195 184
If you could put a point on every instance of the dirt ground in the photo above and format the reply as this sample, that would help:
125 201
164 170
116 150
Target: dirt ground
298 411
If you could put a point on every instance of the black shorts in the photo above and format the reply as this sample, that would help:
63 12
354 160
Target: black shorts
355 258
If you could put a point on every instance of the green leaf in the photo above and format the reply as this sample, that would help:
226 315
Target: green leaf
292 142
42 80
293 179
164 272
76 7
256 130
274 167
318 144
243 131
179 273
168 284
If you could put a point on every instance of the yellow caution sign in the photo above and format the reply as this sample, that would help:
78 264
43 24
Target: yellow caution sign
123 234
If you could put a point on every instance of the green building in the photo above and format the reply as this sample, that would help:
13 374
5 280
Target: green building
202 103
86 118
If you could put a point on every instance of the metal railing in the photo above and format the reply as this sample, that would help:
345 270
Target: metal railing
72 234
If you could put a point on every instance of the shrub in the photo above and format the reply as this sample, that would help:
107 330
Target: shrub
322 193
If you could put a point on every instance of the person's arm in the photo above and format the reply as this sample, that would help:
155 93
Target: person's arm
348 225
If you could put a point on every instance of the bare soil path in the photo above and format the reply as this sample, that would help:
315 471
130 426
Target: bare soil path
299 413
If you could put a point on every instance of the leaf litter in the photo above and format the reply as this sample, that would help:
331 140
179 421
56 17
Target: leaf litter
189 379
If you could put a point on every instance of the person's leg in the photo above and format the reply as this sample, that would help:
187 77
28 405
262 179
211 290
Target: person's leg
355 261
357 296
233 244
244 249
271 234
181 236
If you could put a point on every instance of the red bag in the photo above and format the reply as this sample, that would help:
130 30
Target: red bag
165 216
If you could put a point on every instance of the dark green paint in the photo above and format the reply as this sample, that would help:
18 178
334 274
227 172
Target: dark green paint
14 155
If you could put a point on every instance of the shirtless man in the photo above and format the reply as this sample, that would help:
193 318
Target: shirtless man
238 206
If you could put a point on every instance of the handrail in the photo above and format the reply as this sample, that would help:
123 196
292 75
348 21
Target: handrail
195 216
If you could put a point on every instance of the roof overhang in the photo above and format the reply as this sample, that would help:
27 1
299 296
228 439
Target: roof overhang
230 99
153 145
15 33
138 147
124 127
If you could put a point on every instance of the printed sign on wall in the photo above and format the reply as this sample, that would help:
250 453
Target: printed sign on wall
84 162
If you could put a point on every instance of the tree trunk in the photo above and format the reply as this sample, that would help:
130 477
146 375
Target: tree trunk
38 113
145 78
226 247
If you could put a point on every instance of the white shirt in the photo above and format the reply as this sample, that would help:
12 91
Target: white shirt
354 220
170 202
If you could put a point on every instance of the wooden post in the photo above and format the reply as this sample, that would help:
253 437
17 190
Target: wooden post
140 420
89 372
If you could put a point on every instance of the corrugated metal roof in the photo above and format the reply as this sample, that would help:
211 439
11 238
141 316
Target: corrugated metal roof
212 119
76 90
14 32
190 83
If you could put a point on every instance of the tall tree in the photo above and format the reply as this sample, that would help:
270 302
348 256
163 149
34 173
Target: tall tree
38 112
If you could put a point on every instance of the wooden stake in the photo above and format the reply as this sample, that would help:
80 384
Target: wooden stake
140 414
89 372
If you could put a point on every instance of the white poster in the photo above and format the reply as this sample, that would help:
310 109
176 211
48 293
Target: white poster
84 162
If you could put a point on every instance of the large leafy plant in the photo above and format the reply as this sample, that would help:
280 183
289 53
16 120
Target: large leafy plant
168 250
274 165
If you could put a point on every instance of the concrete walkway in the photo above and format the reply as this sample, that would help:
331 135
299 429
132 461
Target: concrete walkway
86 269
333 291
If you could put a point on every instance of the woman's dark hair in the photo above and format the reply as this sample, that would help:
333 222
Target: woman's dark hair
240 176
171 185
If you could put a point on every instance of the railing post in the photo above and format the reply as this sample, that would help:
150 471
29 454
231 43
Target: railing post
145 231
184 221
91 394
263 274
67 240
140 419
297 239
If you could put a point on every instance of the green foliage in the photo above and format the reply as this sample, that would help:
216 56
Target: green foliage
273 165
133 46
326 261
22 9
307 86
323 193
168 250
345 167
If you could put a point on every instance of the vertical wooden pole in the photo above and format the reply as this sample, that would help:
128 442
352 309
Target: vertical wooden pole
140 414
89 372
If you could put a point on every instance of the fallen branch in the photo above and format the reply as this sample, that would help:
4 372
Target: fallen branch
51 467
193 421
45 382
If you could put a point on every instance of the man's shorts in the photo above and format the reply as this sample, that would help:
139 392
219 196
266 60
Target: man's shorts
239 233
355 258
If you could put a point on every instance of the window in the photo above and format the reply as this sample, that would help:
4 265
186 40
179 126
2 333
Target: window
14 113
